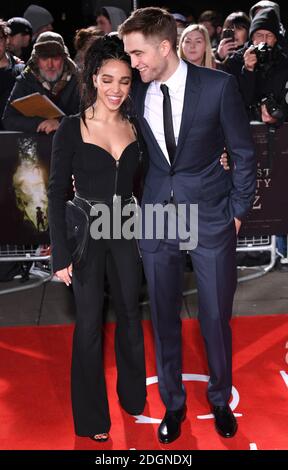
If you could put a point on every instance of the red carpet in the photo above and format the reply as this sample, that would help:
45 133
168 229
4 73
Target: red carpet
35 394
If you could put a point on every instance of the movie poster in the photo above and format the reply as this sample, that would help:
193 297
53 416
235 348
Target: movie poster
24 173
269 215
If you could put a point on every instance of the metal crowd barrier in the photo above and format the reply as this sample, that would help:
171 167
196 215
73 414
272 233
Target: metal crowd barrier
260 244
26 253
40 276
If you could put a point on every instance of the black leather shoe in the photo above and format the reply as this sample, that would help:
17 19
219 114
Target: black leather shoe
225 421
170 427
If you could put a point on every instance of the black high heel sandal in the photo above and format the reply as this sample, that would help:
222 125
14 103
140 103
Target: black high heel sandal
102 437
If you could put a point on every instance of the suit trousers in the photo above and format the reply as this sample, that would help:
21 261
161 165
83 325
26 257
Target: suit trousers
88 388
216 278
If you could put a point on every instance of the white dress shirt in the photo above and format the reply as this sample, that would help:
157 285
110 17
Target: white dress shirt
153 110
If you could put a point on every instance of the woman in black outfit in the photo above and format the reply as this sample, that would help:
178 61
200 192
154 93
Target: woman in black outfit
101 149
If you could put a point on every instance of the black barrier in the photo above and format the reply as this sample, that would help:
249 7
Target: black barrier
24 171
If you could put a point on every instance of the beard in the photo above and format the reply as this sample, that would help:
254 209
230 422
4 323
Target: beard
52 76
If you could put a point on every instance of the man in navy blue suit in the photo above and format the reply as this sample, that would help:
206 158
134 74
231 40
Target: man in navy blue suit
188 114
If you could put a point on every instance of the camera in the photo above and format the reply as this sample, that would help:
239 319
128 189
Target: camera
272 107
228 33
263 53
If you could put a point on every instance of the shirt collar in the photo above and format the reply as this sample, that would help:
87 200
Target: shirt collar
177 79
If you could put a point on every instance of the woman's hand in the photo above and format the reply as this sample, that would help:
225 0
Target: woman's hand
65 275
73 184
225 47
224 160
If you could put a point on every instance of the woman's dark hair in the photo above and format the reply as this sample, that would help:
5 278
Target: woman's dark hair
102 49
85 34
4 30
237 19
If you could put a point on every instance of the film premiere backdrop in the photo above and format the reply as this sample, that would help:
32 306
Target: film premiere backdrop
24 173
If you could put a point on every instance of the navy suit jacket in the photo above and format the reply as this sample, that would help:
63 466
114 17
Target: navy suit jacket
213 117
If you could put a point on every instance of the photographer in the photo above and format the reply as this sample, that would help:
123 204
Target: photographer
261 68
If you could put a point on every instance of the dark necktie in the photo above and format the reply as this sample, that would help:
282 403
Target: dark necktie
168 123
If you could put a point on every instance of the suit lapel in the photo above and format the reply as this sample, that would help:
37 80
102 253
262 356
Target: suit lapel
140 95
191 99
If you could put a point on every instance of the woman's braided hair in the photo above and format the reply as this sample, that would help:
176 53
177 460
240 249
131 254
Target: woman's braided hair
102 49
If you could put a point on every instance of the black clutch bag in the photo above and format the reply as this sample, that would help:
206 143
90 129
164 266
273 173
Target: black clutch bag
77 230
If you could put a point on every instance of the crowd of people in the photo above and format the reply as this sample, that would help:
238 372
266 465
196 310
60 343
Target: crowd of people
234 45
116 122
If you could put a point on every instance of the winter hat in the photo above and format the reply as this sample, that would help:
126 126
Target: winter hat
179 17
38 17
18 25
50 44
116 15
266 19
264 4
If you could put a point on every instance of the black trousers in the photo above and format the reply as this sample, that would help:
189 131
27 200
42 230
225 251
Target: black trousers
88 389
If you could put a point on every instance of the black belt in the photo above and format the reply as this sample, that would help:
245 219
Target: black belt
91 201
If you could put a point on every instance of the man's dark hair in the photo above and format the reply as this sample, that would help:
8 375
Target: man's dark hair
151 21
212 16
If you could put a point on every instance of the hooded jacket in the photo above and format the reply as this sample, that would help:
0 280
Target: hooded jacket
116 16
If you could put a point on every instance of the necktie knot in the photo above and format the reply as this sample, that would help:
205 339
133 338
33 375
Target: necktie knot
164 89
